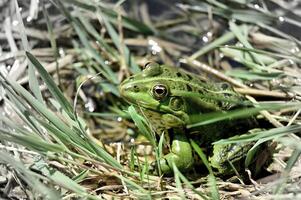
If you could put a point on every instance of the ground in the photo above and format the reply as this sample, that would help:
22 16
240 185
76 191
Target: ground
66 132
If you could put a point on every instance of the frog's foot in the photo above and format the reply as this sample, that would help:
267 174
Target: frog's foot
229 158
180 155
182 162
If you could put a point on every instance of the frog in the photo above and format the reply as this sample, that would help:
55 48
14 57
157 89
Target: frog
170 97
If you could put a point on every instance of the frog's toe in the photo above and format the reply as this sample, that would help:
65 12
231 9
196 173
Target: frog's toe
162 163
166 164
153 168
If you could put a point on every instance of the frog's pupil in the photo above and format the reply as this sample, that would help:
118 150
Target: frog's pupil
160 91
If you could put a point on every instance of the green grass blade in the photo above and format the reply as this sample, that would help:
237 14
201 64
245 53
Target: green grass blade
214 190
41 108
212 45
201 154
33 81
211 178
105 69
229 13
295 156
121 46
81 176
62 180
265 134
204 119
186 181
249 75
22 111
140 123
52 41
82 34
178 183
32 179
242 36
246 55
133 159
127 22
102 153
143 194
267 56
79 138
54 90
30 141
90 29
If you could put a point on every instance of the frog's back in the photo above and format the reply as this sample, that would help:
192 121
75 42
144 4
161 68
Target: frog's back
203 96
201 92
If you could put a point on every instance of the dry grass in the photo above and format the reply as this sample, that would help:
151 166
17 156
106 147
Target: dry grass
66 133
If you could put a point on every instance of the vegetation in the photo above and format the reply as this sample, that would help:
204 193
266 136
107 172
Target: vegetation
66 133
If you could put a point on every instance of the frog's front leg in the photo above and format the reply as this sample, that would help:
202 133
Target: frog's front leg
180 153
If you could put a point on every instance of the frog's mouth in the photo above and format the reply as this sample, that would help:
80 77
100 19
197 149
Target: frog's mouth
145 101
141 99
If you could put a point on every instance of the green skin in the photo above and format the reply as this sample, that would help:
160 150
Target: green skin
169 98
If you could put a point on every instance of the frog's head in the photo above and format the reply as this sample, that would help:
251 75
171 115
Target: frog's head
153 89
176 94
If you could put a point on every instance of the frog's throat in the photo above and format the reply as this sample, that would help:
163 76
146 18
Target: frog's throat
182 116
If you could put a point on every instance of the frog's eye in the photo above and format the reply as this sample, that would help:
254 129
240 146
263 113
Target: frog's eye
159 91
176 103
150 64
151 69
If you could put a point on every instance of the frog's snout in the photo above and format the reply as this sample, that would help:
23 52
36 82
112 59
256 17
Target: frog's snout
128 90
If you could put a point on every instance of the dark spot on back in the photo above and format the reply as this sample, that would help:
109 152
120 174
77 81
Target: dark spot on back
202 80
179 74
189 77
189 88
220 104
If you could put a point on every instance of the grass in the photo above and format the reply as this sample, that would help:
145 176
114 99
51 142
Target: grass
71 152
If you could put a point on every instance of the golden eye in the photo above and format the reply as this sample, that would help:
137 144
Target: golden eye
159 91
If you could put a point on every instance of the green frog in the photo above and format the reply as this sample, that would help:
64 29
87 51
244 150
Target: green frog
170 97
